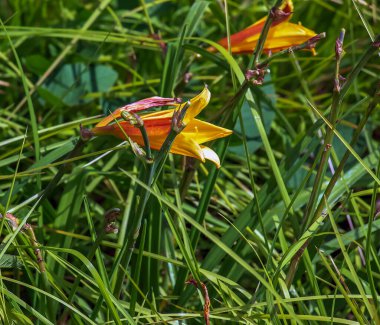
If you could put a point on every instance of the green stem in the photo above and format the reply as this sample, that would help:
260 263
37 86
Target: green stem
334 112
124 257
264 33
336 176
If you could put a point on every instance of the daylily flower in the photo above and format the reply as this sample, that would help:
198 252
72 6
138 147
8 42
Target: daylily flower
189 142
282 34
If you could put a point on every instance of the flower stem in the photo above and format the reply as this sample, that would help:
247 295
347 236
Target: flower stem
264 33
318 211
310 43
334 112
154 169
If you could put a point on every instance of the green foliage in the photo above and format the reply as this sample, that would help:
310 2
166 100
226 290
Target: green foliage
284 232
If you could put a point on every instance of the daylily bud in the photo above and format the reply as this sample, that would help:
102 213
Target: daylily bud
132 118
338 48
279 15
256 75
112 215
178 116
13 221
137 150
85 134
111 228
109 218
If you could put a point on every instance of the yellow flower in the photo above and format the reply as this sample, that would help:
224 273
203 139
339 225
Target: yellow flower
158 124
282 34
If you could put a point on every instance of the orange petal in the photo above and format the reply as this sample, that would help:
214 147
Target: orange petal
279 37
256 28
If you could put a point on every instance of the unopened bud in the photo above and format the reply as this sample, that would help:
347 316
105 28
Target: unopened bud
187 77
279 15
111 228
137 150
112 215
177 120
339 45
85 134
13 221
256 76
132 118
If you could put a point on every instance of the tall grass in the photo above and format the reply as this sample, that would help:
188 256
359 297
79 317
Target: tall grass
285 232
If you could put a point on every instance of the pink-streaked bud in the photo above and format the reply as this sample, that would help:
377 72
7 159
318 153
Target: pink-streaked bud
137 150
279 15
111 228
140 105
256 76
187 77
339 45
13 221
312 42
149 103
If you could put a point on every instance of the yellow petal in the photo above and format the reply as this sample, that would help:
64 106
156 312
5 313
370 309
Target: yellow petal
211 155
197 104
182 145
186 146
201 131
279 37
240 38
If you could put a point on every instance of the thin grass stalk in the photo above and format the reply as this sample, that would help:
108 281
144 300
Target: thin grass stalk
137 271
368 245
227 121
341 288
153 172
371 107
334 113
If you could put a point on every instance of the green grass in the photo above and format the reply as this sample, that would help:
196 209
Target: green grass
285 232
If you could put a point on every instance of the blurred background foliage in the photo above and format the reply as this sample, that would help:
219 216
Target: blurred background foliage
82 59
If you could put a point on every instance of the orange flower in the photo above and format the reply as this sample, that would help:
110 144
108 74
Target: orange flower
282 34
158 124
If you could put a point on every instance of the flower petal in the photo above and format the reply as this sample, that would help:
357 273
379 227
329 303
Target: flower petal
279 37
201 131
139 106
197 104
182 145
167 113
186 146
211 155
256 28
158 127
